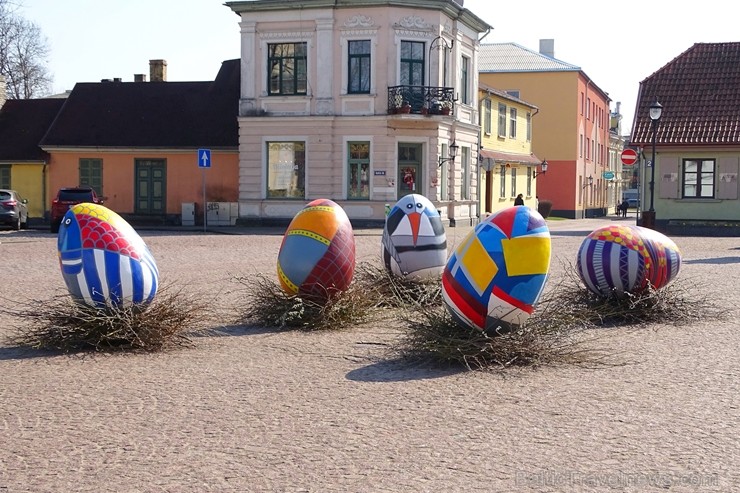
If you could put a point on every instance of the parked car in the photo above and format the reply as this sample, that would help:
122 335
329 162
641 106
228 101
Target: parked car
66 198
13 209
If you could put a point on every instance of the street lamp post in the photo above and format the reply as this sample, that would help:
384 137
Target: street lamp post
648 217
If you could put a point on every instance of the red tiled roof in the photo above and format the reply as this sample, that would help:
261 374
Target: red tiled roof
700 94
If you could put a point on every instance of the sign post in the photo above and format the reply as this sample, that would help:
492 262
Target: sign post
629 157
204 161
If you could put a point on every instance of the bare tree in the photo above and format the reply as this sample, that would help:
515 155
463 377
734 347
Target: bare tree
23 54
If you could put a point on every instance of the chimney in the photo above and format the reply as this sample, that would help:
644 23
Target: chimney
547 47
139 77
116 79
158 70
3 95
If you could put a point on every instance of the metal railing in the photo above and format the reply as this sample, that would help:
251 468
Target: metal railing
421 100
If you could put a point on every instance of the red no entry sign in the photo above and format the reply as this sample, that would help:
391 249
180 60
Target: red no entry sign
629 157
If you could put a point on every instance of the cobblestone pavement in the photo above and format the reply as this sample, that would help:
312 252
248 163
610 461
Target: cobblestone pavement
253 410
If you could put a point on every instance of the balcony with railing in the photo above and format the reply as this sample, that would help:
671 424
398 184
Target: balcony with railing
421 100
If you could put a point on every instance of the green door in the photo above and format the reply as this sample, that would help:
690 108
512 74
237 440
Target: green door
151 181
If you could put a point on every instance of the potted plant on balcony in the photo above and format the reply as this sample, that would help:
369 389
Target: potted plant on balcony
446 107
406 107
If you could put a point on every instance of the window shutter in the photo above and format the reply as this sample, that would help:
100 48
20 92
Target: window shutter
727 178
669 183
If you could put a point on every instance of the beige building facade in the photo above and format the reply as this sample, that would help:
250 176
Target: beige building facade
359 103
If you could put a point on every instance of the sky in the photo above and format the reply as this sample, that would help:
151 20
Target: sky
616 44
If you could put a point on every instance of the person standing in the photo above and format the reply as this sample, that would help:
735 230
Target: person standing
519 200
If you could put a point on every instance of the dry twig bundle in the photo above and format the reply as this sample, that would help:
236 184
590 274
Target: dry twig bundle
394 291
269 306
67 325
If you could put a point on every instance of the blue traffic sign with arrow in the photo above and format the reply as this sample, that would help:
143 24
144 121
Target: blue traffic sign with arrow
204 158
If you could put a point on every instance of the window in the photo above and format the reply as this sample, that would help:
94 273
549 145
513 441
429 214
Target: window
286 68
359 67
443 193
501 120
91 174
512 123
465 164
465 80
286 170
529 181
529 127
502 190
412 63
588 109
513 181
359 171
487 116
698 178
4 176
580 151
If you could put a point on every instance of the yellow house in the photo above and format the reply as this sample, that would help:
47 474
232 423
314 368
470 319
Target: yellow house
23 164
508 167
573 124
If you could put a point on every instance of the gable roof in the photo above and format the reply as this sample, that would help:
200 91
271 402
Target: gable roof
151 114
23 122
504 95
700 94
511 57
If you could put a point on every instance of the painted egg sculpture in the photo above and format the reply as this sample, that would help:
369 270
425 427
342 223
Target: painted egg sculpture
317 255
104 261
665 257
497 274
414 244
617 259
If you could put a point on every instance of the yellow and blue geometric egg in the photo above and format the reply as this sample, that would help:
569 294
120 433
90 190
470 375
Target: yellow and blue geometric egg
317 255
104 262
414 243
498 273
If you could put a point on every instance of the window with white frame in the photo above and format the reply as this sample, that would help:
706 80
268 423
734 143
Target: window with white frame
698 178
287 68
487 116
512 123
529 181
501 120
358 70
502 189
529 127
513 181
286 170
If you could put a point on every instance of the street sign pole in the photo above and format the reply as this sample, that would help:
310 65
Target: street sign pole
204 200
204 161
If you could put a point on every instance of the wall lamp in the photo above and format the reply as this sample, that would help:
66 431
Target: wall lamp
589 180
452 153
544 170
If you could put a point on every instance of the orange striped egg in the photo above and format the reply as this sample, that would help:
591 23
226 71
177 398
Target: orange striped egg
317 255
